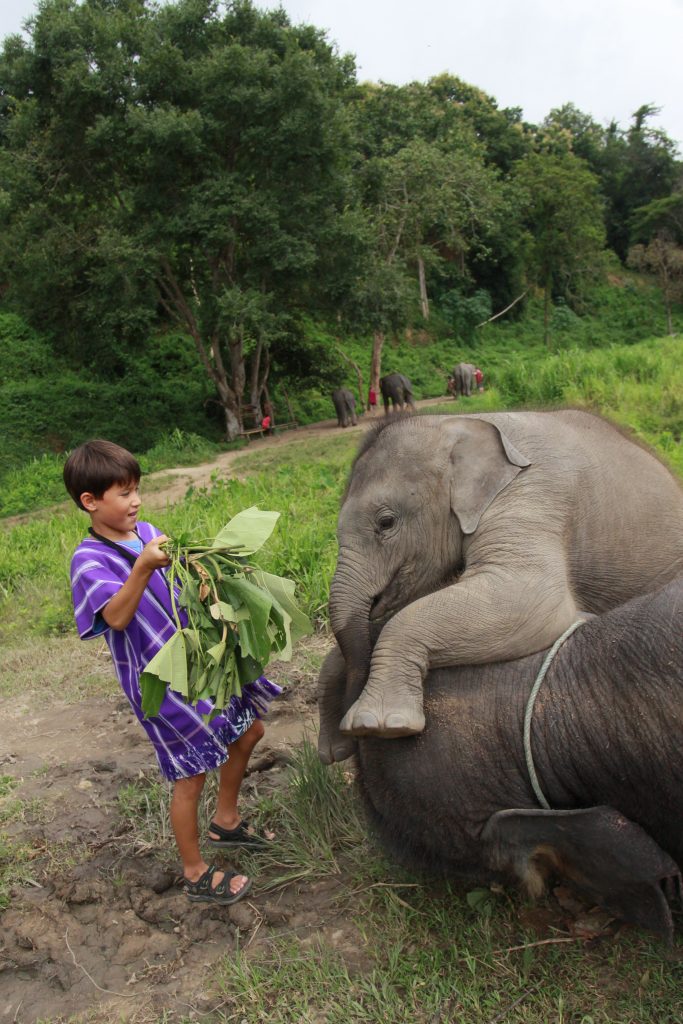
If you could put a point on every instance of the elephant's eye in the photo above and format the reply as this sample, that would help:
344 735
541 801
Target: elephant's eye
386 521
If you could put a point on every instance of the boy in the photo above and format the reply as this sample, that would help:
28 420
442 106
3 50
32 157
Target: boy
121 591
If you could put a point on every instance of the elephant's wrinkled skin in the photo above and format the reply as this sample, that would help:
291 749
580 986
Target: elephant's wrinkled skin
605 738
479 538
345 407
397 390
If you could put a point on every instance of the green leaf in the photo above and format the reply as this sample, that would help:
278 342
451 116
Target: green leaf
223 610
256 601
247 531
480 900
189 595
280 632
248 669
252 642
282 591
170 663
153 692
216 652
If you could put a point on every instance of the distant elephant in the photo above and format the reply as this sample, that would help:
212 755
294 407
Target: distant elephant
397 389
345 406
463 379
605 747
479 538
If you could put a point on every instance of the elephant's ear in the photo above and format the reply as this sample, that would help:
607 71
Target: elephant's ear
483 462
608 858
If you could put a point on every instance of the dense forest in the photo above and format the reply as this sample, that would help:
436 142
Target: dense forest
203 210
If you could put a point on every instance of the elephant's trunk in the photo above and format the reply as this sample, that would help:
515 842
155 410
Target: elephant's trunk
350 605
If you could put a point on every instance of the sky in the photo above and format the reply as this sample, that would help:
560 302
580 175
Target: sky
607 57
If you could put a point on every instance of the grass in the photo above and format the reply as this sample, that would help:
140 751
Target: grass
393 947
38 484
398 948
303 483
63 669
417 972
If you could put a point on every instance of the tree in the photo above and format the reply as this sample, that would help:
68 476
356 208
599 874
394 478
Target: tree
174 158
637 167
567 129
501 133
432 206
662 257
563 214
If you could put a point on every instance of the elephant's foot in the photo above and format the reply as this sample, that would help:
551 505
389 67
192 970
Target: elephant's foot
335 747
372 717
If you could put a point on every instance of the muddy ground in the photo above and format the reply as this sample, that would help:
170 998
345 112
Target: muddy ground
101 921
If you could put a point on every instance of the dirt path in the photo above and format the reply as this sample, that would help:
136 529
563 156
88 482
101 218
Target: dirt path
170 485
200 476
97 921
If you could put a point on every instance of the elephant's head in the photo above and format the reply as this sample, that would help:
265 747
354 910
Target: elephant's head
417 489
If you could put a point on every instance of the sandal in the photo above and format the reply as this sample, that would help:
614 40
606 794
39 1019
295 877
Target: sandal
242 835
202 891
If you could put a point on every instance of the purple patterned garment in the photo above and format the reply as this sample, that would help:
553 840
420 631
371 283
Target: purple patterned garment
184 743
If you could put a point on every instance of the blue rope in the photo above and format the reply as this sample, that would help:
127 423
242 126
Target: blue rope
530 710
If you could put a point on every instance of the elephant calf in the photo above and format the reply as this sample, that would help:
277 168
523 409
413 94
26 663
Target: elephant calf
345 407
397 392
605 744
471 539
463 379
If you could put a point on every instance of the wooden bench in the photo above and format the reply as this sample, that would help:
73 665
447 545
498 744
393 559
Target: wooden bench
251 432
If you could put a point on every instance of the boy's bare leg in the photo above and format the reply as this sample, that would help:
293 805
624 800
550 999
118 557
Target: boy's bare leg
231 777
184 808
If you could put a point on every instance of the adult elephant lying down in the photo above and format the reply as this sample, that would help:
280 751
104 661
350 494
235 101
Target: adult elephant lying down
605 746
479 538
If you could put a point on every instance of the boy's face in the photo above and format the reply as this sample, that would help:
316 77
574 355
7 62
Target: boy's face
115 513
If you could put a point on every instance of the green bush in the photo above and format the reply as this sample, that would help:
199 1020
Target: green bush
178 449
37 484
24 353
47 407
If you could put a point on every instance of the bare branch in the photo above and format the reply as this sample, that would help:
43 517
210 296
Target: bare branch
495 317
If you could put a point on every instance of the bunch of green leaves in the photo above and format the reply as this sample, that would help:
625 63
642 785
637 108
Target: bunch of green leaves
238 616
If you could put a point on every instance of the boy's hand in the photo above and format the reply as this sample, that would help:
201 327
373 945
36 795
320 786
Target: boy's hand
152 557
123 605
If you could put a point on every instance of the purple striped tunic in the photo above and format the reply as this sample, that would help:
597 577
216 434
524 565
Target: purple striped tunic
185 744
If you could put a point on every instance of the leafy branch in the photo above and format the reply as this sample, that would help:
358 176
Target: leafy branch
238 616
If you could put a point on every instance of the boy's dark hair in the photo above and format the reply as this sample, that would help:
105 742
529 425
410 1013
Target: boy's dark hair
96 466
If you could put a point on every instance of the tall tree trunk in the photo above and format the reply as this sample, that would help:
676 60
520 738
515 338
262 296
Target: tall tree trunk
181 310
238 374
376 362
424 300
254 374
231 410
